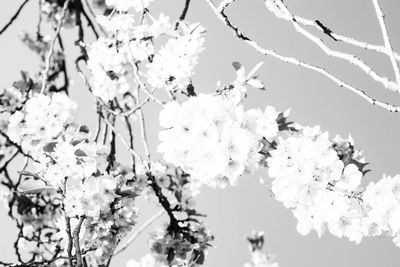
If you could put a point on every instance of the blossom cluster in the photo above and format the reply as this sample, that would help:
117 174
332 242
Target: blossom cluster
213 138
114 58
310 178
42 119
110 57
173 65
381 202
89 197
320 181
108 210
114 222
76 169
108 66
71 156
83 199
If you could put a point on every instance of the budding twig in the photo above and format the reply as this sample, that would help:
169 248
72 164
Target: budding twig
269 52
352 59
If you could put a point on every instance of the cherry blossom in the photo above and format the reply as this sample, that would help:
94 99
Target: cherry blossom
75 203
222 144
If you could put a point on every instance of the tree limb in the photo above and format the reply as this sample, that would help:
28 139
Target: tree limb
14 17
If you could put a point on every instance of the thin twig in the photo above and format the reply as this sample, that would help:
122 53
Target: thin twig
38 26
223 17
88 19
64 66
141 84
143 128
387 83
185 10
385 34
138 232
224 4
183 14
124 142
131 142
345 39
14 17
132 111
50 53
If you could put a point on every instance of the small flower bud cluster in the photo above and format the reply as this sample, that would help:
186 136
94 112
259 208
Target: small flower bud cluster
258 258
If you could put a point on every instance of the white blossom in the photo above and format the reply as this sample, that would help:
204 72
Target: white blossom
209 137
42 119
173 64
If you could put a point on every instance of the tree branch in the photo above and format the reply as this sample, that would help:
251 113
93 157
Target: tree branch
51 50
76 242
14 17
138 232
388 45
185 10
268 52
330 52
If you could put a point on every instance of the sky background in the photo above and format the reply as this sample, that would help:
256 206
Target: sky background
235 211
